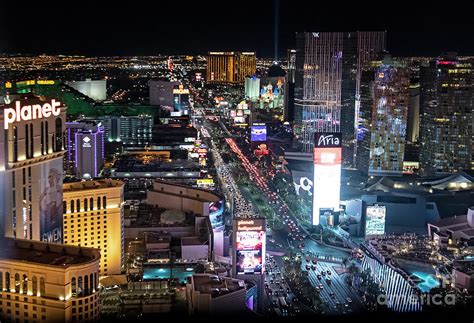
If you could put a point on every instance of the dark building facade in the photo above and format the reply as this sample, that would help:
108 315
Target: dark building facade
446 109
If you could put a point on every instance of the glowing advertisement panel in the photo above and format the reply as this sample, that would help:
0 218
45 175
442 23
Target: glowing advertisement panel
250 242
327 173
258 132
375 220
51 201
216 213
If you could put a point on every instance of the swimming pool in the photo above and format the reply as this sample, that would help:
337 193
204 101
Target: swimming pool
426 274
180 273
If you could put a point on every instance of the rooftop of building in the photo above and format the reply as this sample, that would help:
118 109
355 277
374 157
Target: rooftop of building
90 185
190 241
465 266
216 285
215 196
36 252
149 216
153 162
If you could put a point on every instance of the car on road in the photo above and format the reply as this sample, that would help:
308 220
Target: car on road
323 273
346 305
319 277
328 280
308 267
321 286
329 272
337 303
349 300
331 294
314 261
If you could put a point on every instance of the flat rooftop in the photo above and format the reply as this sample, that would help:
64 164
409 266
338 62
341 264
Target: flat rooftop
89 185
454 220
216 285
43 253
149 216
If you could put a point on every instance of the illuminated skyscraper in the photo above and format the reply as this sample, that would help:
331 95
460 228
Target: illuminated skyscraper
385 96
31 167
98 207
358 47
327 81
85 149
318 85
230 67
446 109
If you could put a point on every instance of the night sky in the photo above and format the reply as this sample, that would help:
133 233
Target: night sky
180 26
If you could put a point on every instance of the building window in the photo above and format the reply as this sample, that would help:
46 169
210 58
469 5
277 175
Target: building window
58 135
46 137
42 138
98 203
78 205
64 207
91 206
85 204
42 286
104 202
35 285
27 141
72 206
73 287
7 281
17 283
31 141
24 284
15 144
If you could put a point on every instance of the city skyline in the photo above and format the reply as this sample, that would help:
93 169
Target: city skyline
255 160
107 30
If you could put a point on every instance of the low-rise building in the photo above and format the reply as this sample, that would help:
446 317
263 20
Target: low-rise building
211 294
42 282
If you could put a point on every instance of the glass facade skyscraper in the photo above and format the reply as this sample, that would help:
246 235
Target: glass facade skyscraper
446 108
385 97
327 84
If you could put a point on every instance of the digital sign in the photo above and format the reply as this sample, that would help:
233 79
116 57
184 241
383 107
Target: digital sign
51 200
250 240
327 155
216 213
258 132
375 220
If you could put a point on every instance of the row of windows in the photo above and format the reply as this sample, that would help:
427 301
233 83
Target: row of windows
56 141
83 286
19 284
75 206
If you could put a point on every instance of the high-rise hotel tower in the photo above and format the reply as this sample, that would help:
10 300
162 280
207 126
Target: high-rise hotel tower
31 167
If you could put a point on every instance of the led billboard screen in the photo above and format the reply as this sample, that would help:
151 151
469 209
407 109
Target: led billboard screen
327 155
375 220
258 132
216 213
51 200
249 242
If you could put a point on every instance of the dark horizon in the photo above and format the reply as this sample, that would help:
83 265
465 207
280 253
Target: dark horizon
196 28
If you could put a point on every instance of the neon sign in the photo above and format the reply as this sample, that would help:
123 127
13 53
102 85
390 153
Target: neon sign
30 112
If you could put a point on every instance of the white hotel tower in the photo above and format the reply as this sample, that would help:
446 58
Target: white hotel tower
31 167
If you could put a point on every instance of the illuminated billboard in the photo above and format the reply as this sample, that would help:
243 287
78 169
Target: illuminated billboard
258 132
51 201
375 220
327 173
216 213
249 243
